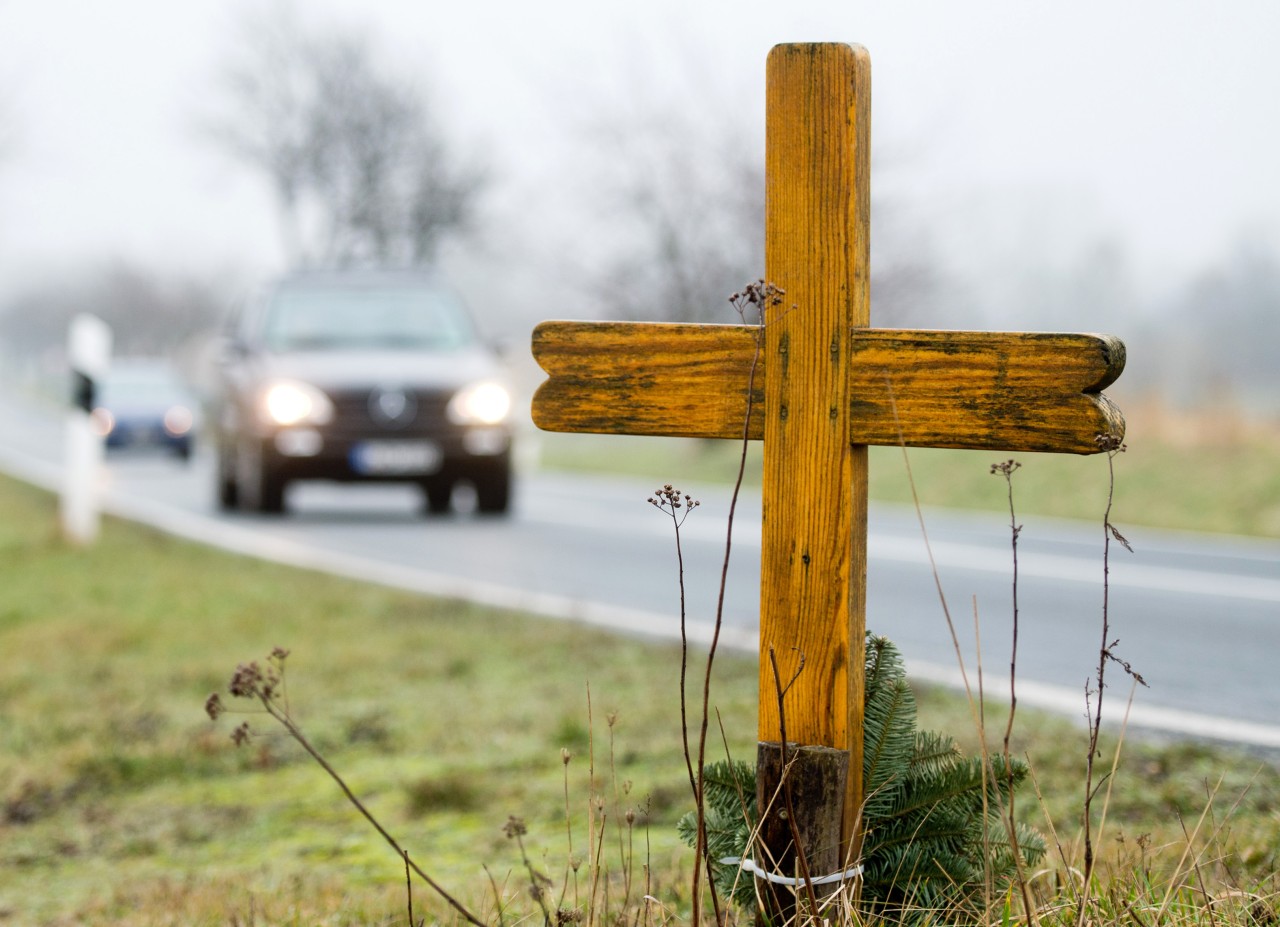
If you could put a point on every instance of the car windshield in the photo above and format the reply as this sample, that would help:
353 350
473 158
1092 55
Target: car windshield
341 318
129 385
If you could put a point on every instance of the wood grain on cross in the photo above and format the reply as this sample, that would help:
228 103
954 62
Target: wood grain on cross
826 386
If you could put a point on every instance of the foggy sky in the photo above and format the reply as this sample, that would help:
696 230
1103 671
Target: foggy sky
1013 128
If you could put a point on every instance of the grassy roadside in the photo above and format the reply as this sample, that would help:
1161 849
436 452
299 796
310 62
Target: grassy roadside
120 802
1233 488
116 787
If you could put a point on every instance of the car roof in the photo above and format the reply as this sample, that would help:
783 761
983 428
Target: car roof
138 365
364 277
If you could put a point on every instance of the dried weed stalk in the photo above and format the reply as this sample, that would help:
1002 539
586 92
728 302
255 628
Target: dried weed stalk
753 304
266 686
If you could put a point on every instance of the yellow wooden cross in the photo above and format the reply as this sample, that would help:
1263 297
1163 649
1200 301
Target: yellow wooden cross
827 386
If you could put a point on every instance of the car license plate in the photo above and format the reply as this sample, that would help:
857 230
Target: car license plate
395 458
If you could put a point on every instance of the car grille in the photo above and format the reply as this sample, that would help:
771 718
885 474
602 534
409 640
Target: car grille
415 410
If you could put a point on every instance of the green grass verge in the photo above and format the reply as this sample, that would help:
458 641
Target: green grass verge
1234 489
121 802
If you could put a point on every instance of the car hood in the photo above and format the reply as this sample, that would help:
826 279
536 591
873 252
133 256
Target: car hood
340 370
138 408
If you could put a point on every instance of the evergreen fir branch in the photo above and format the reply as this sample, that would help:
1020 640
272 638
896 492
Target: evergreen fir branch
933 751
889 722
931 837
728 785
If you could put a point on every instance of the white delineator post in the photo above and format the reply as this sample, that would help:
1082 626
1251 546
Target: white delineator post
89 355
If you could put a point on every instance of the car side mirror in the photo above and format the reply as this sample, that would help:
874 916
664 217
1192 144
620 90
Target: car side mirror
232 348
502 346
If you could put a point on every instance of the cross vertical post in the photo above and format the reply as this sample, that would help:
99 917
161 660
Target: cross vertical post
817 249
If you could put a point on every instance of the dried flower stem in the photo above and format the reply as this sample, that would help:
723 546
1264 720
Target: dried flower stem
267 689
761 296
1111 445
1007 469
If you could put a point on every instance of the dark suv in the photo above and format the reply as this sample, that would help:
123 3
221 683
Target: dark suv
360 376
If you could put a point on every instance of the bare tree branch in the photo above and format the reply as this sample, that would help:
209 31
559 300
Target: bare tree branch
360 169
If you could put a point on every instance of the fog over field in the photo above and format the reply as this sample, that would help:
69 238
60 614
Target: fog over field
1092 166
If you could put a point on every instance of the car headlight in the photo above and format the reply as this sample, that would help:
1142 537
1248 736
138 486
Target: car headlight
292 402
102 421
178 420
485 403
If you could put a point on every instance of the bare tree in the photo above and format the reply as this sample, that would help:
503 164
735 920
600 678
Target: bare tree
269 99
360 169
686 215
1218 334
150 314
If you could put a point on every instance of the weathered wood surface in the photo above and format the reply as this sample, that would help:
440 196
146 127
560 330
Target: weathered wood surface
817 249
816 777
1009 391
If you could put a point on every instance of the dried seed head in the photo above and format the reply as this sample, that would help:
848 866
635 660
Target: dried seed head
245 681
1005 468
1110 443
213 706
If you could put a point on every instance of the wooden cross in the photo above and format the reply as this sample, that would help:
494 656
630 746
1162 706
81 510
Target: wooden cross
826 386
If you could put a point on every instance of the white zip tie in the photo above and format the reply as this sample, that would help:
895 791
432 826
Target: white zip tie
749 865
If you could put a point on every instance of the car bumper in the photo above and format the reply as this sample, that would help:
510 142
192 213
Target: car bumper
310 453
146 435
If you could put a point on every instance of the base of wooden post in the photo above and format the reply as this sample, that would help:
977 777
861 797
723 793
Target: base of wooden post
804 809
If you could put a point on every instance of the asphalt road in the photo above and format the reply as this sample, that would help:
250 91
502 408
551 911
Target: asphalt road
1197 615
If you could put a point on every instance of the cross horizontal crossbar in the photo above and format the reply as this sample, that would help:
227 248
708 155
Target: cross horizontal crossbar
1012 391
